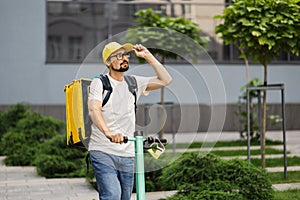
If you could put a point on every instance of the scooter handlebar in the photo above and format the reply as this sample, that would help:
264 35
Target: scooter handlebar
150 140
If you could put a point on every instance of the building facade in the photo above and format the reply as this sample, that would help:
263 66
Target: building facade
44 46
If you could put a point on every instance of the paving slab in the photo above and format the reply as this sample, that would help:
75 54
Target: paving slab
286 186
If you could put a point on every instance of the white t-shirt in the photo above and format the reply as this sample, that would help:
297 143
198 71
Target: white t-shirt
118 113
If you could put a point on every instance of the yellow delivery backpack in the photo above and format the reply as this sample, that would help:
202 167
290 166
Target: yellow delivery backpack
77 119
78 122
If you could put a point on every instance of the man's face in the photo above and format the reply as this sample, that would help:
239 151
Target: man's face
119 61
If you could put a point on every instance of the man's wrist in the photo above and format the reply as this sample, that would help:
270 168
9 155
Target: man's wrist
106 132
149 57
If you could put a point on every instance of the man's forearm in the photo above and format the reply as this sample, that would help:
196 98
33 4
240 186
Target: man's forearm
161 72
163 77
97 117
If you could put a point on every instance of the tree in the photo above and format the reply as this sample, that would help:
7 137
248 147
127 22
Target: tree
154 31
261 29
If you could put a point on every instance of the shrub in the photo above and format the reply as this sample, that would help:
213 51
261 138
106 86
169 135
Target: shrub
153 168
22 141
209 177
55 159
206 194
29 138
9 118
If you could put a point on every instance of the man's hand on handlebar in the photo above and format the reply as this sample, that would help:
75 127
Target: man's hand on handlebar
120 138
115 137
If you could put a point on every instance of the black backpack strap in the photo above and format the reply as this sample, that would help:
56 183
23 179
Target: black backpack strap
106 86
132 86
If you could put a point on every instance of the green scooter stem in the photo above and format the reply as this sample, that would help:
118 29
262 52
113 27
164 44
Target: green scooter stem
140 175
139 160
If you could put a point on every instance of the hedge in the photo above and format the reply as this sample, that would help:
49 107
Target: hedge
209 177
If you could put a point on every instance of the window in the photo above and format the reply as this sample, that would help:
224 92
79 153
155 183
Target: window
75 48
54 47
75 27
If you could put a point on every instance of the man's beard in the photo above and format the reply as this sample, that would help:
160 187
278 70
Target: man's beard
121 69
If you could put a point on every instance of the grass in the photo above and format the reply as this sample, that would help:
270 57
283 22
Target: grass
278 177
244 152
277 162
287 195
223 144
270 162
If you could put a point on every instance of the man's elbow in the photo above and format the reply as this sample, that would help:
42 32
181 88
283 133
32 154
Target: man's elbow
168 81
91 113
92 108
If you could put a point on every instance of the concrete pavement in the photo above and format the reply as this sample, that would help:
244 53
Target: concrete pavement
22 183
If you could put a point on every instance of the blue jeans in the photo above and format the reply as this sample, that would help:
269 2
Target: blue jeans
114 175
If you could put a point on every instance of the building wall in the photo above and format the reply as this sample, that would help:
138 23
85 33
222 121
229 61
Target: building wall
26 77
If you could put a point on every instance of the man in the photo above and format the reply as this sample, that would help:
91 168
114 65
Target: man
113 163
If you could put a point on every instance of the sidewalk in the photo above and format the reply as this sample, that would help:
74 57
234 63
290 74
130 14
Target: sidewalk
18 183
22 183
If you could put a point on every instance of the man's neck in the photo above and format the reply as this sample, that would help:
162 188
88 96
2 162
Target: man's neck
119 76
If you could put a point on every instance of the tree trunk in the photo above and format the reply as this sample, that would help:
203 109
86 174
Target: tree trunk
246 64
264 118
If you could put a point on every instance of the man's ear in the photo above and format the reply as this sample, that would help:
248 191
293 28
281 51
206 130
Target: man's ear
108 62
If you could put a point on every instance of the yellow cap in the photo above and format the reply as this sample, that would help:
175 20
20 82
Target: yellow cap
112 47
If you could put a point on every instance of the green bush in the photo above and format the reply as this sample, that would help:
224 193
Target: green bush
55 159
153 170
21 142
9 118
209 177
28 138
206 194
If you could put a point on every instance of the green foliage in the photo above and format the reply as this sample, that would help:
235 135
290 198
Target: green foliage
228 143
23 138
195 193
242 112
165 35
288 194
262 27
55 159
29 138
9 118
151 18
153 169
277 162
253 83
278 177
209 177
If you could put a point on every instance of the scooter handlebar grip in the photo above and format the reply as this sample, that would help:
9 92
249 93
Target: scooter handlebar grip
151 140
125 139
164 141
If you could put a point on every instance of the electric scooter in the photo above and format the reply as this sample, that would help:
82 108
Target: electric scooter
142 143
